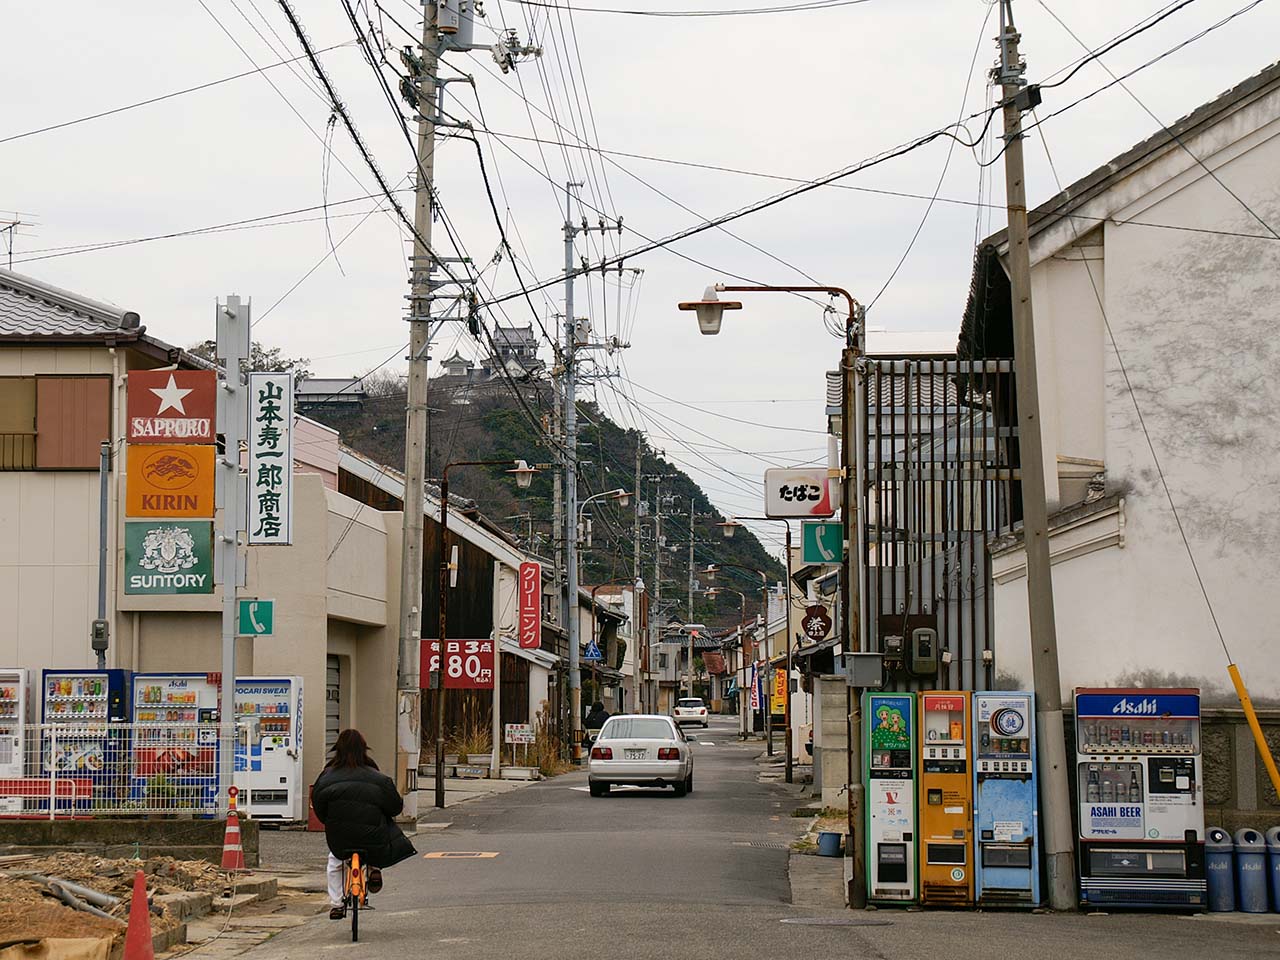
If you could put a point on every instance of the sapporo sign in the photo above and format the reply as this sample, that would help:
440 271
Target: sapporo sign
270 515
174 480
172 406
168 556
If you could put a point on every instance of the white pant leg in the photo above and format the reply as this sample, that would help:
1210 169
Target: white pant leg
333 874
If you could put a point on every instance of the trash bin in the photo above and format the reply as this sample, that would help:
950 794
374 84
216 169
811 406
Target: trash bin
829 844
1251 871
1219 868
1273 853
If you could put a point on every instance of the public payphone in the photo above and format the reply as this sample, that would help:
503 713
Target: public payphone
946 807
1006 818
889 748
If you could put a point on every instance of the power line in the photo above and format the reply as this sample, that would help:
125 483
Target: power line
736 12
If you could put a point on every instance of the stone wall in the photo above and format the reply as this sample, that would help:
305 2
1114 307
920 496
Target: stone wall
181 839
1237 791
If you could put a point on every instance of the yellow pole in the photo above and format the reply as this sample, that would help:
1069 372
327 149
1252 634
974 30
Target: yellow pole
1264 751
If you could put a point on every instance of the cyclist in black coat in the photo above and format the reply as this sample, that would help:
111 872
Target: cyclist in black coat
356 804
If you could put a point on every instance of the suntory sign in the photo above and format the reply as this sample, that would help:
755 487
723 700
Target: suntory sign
170 481
168 556
172 406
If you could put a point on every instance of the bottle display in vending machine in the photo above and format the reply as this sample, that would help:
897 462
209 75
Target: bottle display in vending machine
1141 797
1006 813
268 761
13 733
889 732
175 741
81 706
946 800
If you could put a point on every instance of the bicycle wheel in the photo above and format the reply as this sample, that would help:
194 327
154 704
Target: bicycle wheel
355 919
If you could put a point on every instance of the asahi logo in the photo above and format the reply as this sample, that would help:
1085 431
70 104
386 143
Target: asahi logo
1127 707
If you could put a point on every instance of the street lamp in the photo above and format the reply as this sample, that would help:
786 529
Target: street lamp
448 577
710 312
619 496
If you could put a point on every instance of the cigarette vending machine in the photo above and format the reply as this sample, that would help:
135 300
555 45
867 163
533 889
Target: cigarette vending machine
13 733
175 741
1005 812
1141 797
269 747
946 800
890 750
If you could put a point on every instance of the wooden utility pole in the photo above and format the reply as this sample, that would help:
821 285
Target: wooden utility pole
1058 840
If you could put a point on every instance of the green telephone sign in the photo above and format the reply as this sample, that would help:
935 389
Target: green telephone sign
821 542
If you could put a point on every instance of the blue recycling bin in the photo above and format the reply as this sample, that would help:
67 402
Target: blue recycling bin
1273 853
1220 870
1251 871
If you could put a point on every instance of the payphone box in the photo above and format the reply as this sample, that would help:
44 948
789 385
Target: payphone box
889 726
946 800
1006 831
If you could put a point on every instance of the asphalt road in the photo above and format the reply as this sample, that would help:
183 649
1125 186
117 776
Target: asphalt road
643 874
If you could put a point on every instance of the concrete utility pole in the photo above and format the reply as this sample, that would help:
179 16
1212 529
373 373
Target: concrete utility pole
408 681
570 445
1058 838
689 667
641 652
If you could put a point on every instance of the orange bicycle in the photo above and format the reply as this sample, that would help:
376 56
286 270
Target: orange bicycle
355 891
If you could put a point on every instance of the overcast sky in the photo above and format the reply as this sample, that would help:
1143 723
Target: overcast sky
787 96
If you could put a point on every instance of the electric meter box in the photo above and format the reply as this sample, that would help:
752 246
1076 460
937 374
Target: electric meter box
1006 816
946 800
889 749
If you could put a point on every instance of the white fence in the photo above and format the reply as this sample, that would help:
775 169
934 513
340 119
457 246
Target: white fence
96 768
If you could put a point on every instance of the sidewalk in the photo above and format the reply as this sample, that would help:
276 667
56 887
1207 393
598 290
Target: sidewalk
461 789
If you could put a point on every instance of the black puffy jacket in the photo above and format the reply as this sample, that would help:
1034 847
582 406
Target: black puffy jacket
356 805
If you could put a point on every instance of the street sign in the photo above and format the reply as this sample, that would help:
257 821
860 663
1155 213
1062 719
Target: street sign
518 733
168 556
257 618
529 629
816 623
175 480
270 508
821 542
172 406
592 653
805 492
468 664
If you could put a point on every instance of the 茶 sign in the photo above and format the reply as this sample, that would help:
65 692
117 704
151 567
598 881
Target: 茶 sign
172 406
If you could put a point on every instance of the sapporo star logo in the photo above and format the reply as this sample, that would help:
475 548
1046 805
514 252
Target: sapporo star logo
170 396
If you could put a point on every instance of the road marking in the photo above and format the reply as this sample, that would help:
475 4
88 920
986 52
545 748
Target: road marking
458 855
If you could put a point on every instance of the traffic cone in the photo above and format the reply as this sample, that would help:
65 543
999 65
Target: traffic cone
137 938
232 851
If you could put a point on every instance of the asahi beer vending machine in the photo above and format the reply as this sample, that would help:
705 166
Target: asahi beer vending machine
1006 831
890 749
13 732
269 747
1141 797
946 800
175 741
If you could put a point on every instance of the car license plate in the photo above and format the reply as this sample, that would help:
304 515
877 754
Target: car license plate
636 754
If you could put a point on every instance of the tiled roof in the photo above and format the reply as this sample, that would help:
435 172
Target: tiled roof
31 308
714 662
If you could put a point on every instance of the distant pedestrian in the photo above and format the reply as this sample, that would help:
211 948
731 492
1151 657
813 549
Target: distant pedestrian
597 716
356 804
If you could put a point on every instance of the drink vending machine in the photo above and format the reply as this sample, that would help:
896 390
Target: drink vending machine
1141 797
82 706
13 733
890 750
175 740
946 800
1006 814
269 747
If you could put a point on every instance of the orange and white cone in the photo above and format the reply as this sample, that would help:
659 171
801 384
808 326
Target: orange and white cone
232 851
137 938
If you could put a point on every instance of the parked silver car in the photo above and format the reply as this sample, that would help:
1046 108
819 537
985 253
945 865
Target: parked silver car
646 750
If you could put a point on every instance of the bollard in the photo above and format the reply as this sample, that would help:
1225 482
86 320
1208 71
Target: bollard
1251 871
1273 853
1220 870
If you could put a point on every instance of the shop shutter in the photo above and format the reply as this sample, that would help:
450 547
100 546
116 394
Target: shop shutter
332 701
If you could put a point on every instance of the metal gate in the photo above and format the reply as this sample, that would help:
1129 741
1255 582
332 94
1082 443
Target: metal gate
939 481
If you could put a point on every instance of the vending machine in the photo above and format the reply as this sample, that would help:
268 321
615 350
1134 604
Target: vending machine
890 750
88 710
13 734
946 800
1005 811
269 747
1141 797
175 741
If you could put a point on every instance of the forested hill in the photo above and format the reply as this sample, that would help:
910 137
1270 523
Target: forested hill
468 424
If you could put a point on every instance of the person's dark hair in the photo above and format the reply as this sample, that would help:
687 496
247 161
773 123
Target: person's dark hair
350 750
597 706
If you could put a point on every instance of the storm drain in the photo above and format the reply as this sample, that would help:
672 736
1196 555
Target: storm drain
763 844
838 921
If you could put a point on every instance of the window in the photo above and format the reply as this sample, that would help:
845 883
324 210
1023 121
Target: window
53 423
636 728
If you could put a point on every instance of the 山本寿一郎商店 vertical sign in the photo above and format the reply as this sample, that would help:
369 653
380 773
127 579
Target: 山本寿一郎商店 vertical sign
270 481
171 480
468 664
172 406
529 629
168 556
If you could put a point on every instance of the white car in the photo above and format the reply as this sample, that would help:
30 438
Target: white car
690 710
644 750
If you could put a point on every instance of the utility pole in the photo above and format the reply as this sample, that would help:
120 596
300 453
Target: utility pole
642 651
100 635
1058 839
408 681
657 575
692 617
570 445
